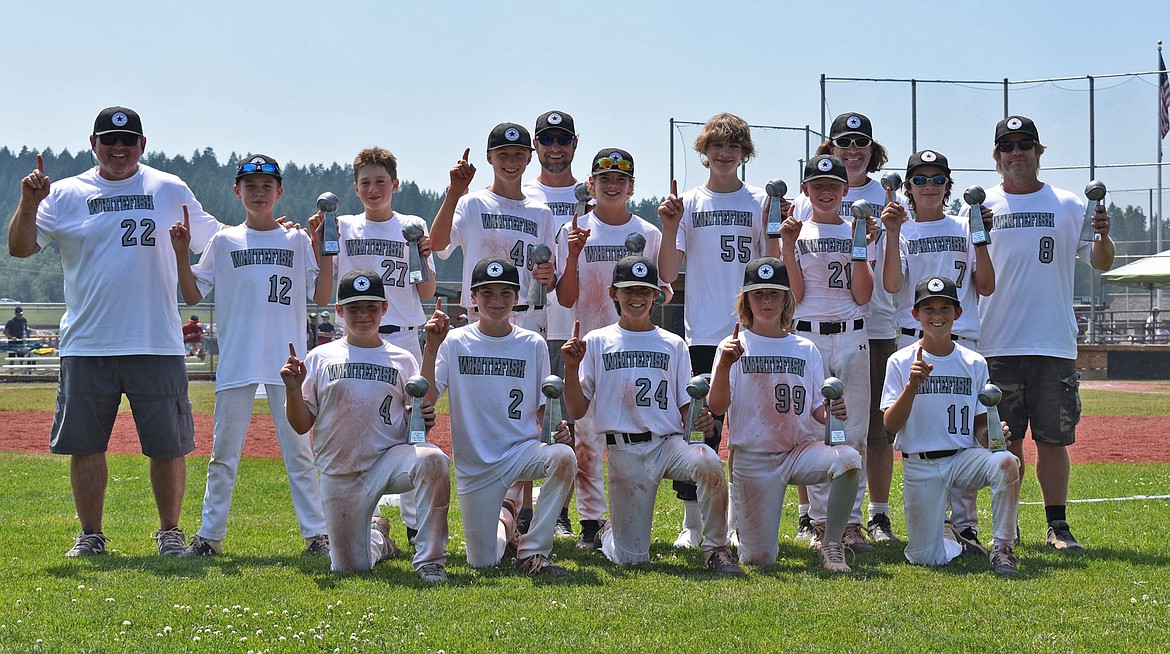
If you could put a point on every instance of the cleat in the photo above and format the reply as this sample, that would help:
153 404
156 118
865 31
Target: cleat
171 542
88 545
804 530
564 528
1061 538
719 560
1003 561
318 545
970 547
589 529
433 573
854 539
880 530
538 565
201 546
688 539
817 535
833 557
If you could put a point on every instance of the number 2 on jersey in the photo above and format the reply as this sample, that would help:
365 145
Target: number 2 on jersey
660 395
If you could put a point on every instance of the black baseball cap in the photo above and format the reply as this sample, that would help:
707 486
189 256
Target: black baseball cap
20 310
825 166
851 123
495 271
555 120
1016 125
635 271
360 285
114 120
506 134
765 273
927 158
937 286
258 164
613 160
194 318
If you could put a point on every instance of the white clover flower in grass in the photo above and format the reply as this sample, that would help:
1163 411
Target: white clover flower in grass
125 623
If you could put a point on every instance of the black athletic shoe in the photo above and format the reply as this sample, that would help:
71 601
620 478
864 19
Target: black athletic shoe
523 520
1061 538
589 529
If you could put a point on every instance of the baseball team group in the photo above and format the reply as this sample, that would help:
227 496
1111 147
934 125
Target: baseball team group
823 336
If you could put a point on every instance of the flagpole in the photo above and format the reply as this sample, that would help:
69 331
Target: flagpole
1161 219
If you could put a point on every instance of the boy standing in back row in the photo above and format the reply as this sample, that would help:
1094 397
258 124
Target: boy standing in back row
263 274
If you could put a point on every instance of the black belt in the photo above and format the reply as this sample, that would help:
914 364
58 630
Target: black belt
934 454
829 327
644 437
394 329
917 333
519 308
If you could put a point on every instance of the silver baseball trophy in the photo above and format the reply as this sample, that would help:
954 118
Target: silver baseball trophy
697 388
418 272
331 241
416 387
833 389
327 204
537 294
1095 191
553 388
974 196
775 190
892 181
989 396
861 212
635 243
581 192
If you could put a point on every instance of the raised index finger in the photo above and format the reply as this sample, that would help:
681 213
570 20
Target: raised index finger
674 187
186 218
466 154
919 356
574 220
438 304
292 351
40 164
735 334
577 329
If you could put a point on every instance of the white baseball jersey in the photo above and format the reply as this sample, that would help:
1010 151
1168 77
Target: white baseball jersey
1035 241
939 247
358 395
775 386
489 225
562 201
262 281
381 247
719 234
943 414
881 322
120 273
495 394
604 248
636 380
824 253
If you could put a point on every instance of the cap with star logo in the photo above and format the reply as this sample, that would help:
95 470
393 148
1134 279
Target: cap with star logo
635 271
551 120
506 134
114 120
765 273
937 286
495 271
359 285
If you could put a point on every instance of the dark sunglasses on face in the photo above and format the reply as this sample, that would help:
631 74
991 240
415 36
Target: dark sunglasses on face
845 142
123 138
937 180
1008 146
547 139
258 168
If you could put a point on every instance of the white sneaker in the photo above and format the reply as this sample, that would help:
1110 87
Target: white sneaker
733 537
688 539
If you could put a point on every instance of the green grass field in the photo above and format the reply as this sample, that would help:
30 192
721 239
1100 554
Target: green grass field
264 595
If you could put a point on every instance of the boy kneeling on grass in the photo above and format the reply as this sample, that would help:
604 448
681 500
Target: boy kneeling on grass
930 401
353 391
637 375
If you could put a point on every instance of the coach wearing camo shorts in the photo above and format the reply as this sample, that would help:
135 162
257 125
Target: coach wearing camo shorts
1029 331
110 225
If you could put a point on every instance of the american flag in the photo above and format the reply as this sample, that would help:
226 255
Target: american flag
1164 98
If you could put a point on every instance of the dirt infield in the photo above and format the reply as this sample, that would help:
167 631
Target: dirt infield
1099 439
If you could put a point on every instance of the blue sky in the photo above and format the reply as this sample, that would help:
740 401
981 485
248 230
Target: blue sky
314 82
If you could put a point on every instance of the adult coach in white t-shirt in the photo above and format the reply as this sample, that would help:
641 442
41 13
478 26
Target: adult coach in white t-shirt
1028 330
110 225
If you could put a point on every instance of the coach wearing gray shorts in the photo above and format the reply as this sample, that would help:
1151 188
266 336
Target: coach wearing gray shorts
1028 330
110 224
